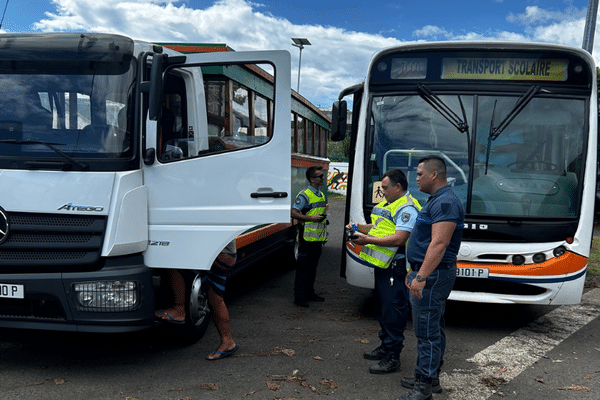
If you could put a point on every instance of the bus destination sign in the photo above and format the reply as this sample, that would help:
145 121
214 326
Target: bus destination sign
508 69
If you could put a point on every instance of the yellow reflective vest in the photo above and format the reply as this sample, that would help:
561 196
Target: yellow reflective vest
314 231
382 218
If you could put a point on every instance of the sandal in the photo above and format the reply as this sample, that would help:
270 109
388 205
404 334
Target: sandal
165 316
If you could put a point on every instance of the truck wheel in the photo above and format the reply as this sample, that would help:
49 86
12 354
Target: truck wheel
197 313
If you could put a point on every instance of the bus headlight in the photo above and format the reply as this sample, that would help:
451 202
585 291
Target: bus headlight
106 296
539 258
559 251
518 260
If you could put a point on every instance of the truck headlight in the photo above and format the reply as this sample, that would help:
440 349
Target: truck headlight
106 296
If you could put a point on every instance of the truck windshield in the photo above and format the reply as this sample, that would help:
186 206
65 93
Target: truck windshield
83 109
533 167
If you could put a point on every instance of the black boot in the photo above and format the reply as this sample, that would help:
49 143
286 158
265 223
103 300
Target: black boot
420 391
409 383
389 363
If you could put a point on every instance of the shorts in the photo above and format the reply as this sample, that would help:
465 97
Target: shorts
219 271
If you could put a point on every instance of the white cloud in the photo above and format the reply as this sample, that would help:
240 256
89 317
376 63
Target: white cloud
336 59
535 15
433 32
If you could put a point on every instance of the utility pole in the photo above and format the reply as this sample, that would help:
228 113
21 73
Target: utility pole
590 26
300 43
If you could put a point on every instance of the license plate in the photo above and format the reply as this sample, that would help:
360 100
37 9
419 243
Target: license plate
11 291
472 272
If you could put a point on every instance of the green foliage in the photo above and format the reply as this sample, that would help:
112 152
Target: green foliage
339 151
594 261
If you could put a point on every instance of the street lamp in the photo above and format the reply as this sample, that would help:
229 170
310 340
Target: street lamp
300 43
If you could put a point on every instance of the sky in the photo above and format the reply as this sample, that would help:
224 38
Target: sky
344 35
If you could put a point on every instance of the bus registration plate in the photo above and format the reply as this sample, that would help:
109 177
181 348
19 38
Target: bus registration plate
11 291
463 272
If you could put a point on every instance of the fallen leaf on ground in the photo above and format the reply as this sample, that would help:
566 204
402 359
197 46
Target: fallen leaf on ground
272 385
318 358
329 384
287 378
502 370
578 388
311 387
280 350
540 380
364 341
209 386
491 381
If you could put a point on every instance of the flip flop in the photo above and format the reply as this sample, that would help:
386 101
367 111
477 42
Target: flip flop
222 354
161 313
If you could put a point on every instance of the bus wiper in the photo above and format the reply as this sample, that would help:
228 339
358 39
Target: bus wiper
512 114
49 145
446 112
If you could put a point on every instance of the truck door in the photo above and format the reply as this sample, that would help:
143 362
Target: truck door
222 161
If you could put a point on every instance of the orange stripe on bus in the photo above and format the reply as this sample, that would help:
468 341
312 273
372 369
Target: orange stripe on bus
568 263
356 249
260 233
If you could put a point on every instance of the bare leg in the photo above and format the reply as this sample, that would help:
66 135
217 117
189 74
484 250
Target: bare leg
220 317
178 287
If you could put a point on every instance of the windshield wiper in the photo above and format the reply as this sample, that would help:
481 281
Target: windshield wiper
49 145
512 114
446 112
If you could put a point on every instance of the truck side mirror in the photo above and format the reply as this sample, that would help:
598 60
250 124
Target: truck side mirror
156 87
339 113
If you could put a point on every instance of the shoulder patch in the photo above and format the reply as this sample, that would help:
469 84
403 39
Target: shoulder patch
405 217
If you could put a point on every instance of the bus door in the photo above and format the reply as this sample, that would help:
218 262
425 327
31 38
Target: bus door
222 155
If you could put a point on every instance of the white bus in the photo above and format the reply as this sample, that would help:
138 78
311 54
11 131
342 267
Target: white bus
517 126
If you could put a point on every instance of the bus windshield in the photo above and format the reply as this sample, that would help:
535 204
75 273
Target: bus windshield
51 109
531 167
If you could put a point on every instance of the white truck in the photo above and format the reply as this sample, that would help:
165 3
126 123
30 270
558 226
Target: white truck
109 174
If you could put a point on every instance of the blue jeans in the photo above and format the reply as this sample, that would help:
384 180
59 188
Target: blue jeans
393 307
428 321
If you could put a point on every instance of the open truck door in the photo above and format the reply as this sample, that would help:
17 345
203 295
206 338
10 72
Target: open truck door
217 158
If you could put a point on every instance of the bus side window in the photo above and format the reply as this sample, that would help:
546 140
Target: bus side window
238 116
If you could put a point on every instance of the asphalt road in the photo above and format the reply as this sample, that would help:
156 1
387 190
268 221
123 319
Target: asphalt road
287 352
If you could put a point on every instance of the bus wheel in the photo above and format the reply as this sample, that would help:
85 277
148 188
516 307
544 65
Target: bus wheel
197 313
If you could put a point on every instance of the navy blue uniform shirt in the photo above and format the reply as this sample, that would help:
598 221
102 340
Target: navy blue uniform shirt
443 205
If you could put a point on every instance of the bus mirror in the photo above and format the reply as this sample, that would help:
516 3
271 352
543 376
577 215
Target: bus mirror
156 87
339 113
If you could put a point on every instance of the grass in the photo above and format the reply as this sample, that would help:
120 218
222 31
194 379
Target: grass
594 261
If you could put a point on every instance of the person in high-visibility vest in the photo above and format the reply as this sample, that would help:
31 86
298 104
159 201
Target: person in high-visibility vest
310 209
383 242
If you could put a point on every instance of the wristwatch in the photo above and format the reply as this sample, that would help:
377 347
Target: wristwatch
420 278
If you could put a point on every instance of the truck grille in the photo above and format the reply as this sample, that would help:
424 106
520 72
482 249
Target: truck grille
43 242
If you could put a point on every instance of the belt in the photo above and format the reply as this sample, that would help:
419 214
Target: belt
446 265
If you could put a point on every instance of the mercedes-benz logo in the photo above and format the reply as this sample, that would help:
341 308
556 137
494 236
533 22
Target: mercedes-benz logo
4 225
